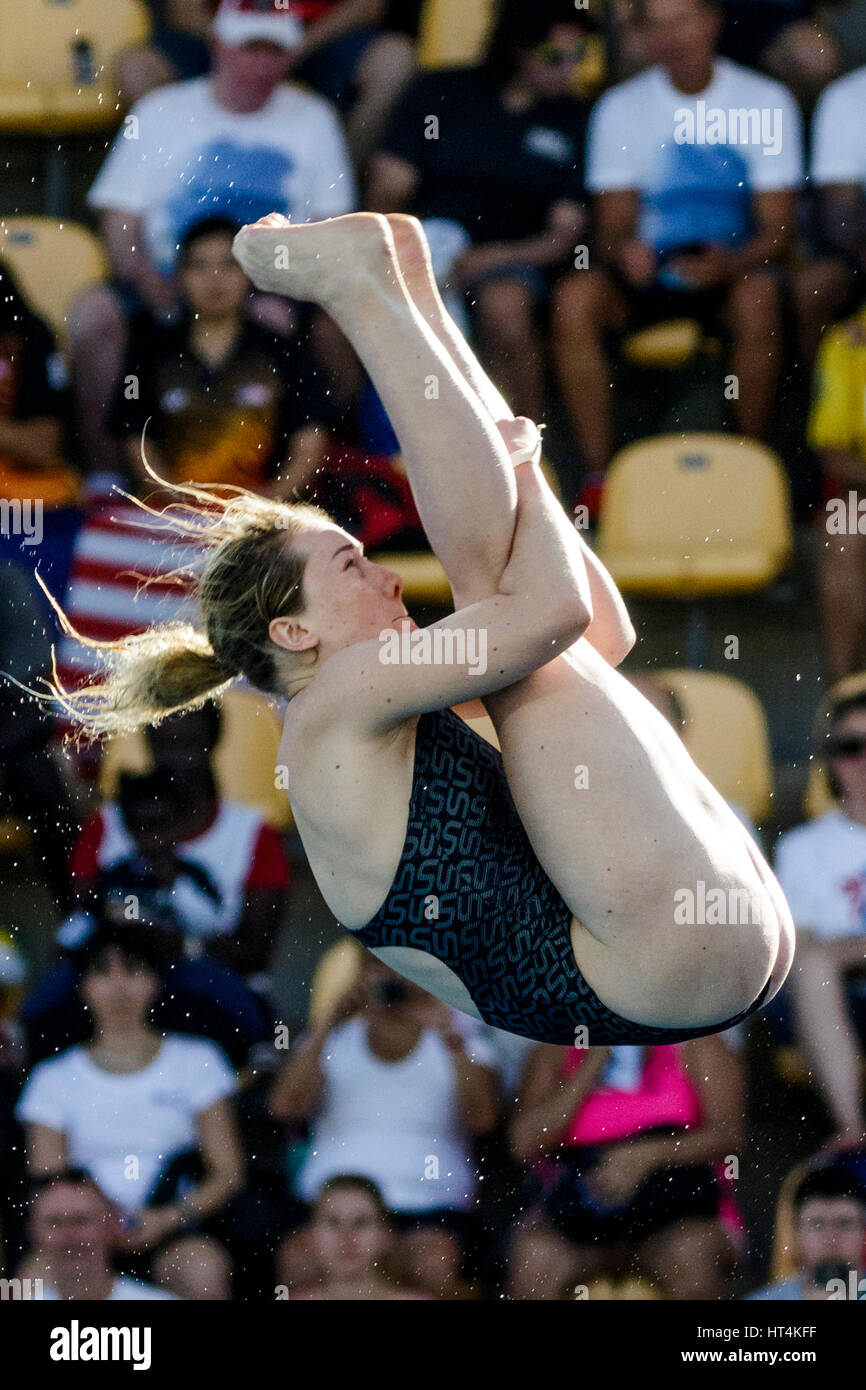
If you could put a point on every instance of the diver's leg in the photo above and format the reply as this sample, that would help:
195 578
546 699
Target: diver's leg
679 920
416 268
640 785
610 631
459 468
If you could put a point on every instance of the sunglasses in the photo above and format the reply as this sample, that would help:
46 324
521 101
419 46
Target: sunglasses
851 747
554 57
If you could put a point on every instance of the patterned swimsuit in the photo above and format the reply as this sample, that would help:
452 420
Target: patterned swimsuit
470 891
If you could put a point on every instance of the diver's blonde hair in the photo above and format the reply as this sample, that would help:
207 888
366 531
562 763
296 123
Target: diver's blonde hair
251 576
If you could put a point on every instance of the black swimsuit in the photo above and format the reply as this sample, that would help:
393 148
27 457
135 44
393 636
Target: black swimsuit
470 891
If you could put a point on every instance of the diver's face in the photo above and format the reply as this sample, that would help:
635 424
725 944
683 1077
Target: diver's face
348 598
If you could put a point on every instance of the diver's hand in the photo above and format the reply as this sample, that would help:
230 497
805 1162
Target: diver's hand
522 439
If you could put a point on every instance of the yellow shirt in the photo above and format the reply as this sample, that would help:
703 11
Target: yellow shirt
837 419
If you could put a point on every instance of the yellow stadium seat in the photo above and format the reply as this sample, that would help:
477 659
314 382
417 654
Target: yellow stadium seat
591 74
245 759
726 734
784 1263
453 33
52 262
631 1289
15 836
336 972
693 515
422 575
819 797
484 727
57 62
667 345
790 1065
11 995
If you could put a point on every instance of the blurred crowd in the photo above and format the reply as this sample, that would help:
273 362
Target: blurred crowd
165 1131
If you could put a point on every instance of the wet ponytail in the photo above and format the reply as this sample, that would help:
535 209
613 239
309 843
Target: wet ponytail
167 670
251 576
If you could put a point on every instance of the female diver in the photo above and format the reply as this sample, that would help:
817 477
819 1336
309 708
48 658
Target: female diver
539 889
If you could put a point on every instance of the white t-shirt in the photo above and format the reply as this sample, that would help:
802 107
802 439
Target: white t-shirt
839 132
124 1290
396 1123
124 1127
225 851
192 159
821 867
696 160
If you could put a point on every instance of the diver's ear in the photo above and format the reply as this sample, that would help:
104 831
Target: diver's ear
291 635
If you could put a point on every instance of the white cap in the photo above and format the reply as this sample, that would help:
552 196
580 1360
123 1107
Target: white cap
244 21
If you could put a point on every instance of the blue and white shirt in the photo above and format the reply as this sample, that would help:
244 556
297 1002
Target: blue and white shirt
697 159
180 157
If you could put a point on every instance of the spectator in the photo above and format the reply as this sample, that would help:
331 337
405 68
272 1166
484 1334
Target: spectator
12 1064
821 867
201 996
834 283
626 1143
222 866
665 699
176 51
686 227
40 492
362 482
502 168
394 1092
225 400
830 1228
75 1233
351 1239
31 786
359 54
142 1113
238 144
786 38
837 431
210 875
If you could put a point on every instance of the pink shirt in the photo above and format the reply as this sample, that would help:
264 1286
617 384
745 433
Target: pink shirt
663 1096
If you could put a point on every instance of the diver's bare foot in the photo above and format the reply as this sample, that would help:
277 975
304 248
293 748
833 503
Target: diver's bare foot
316 261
